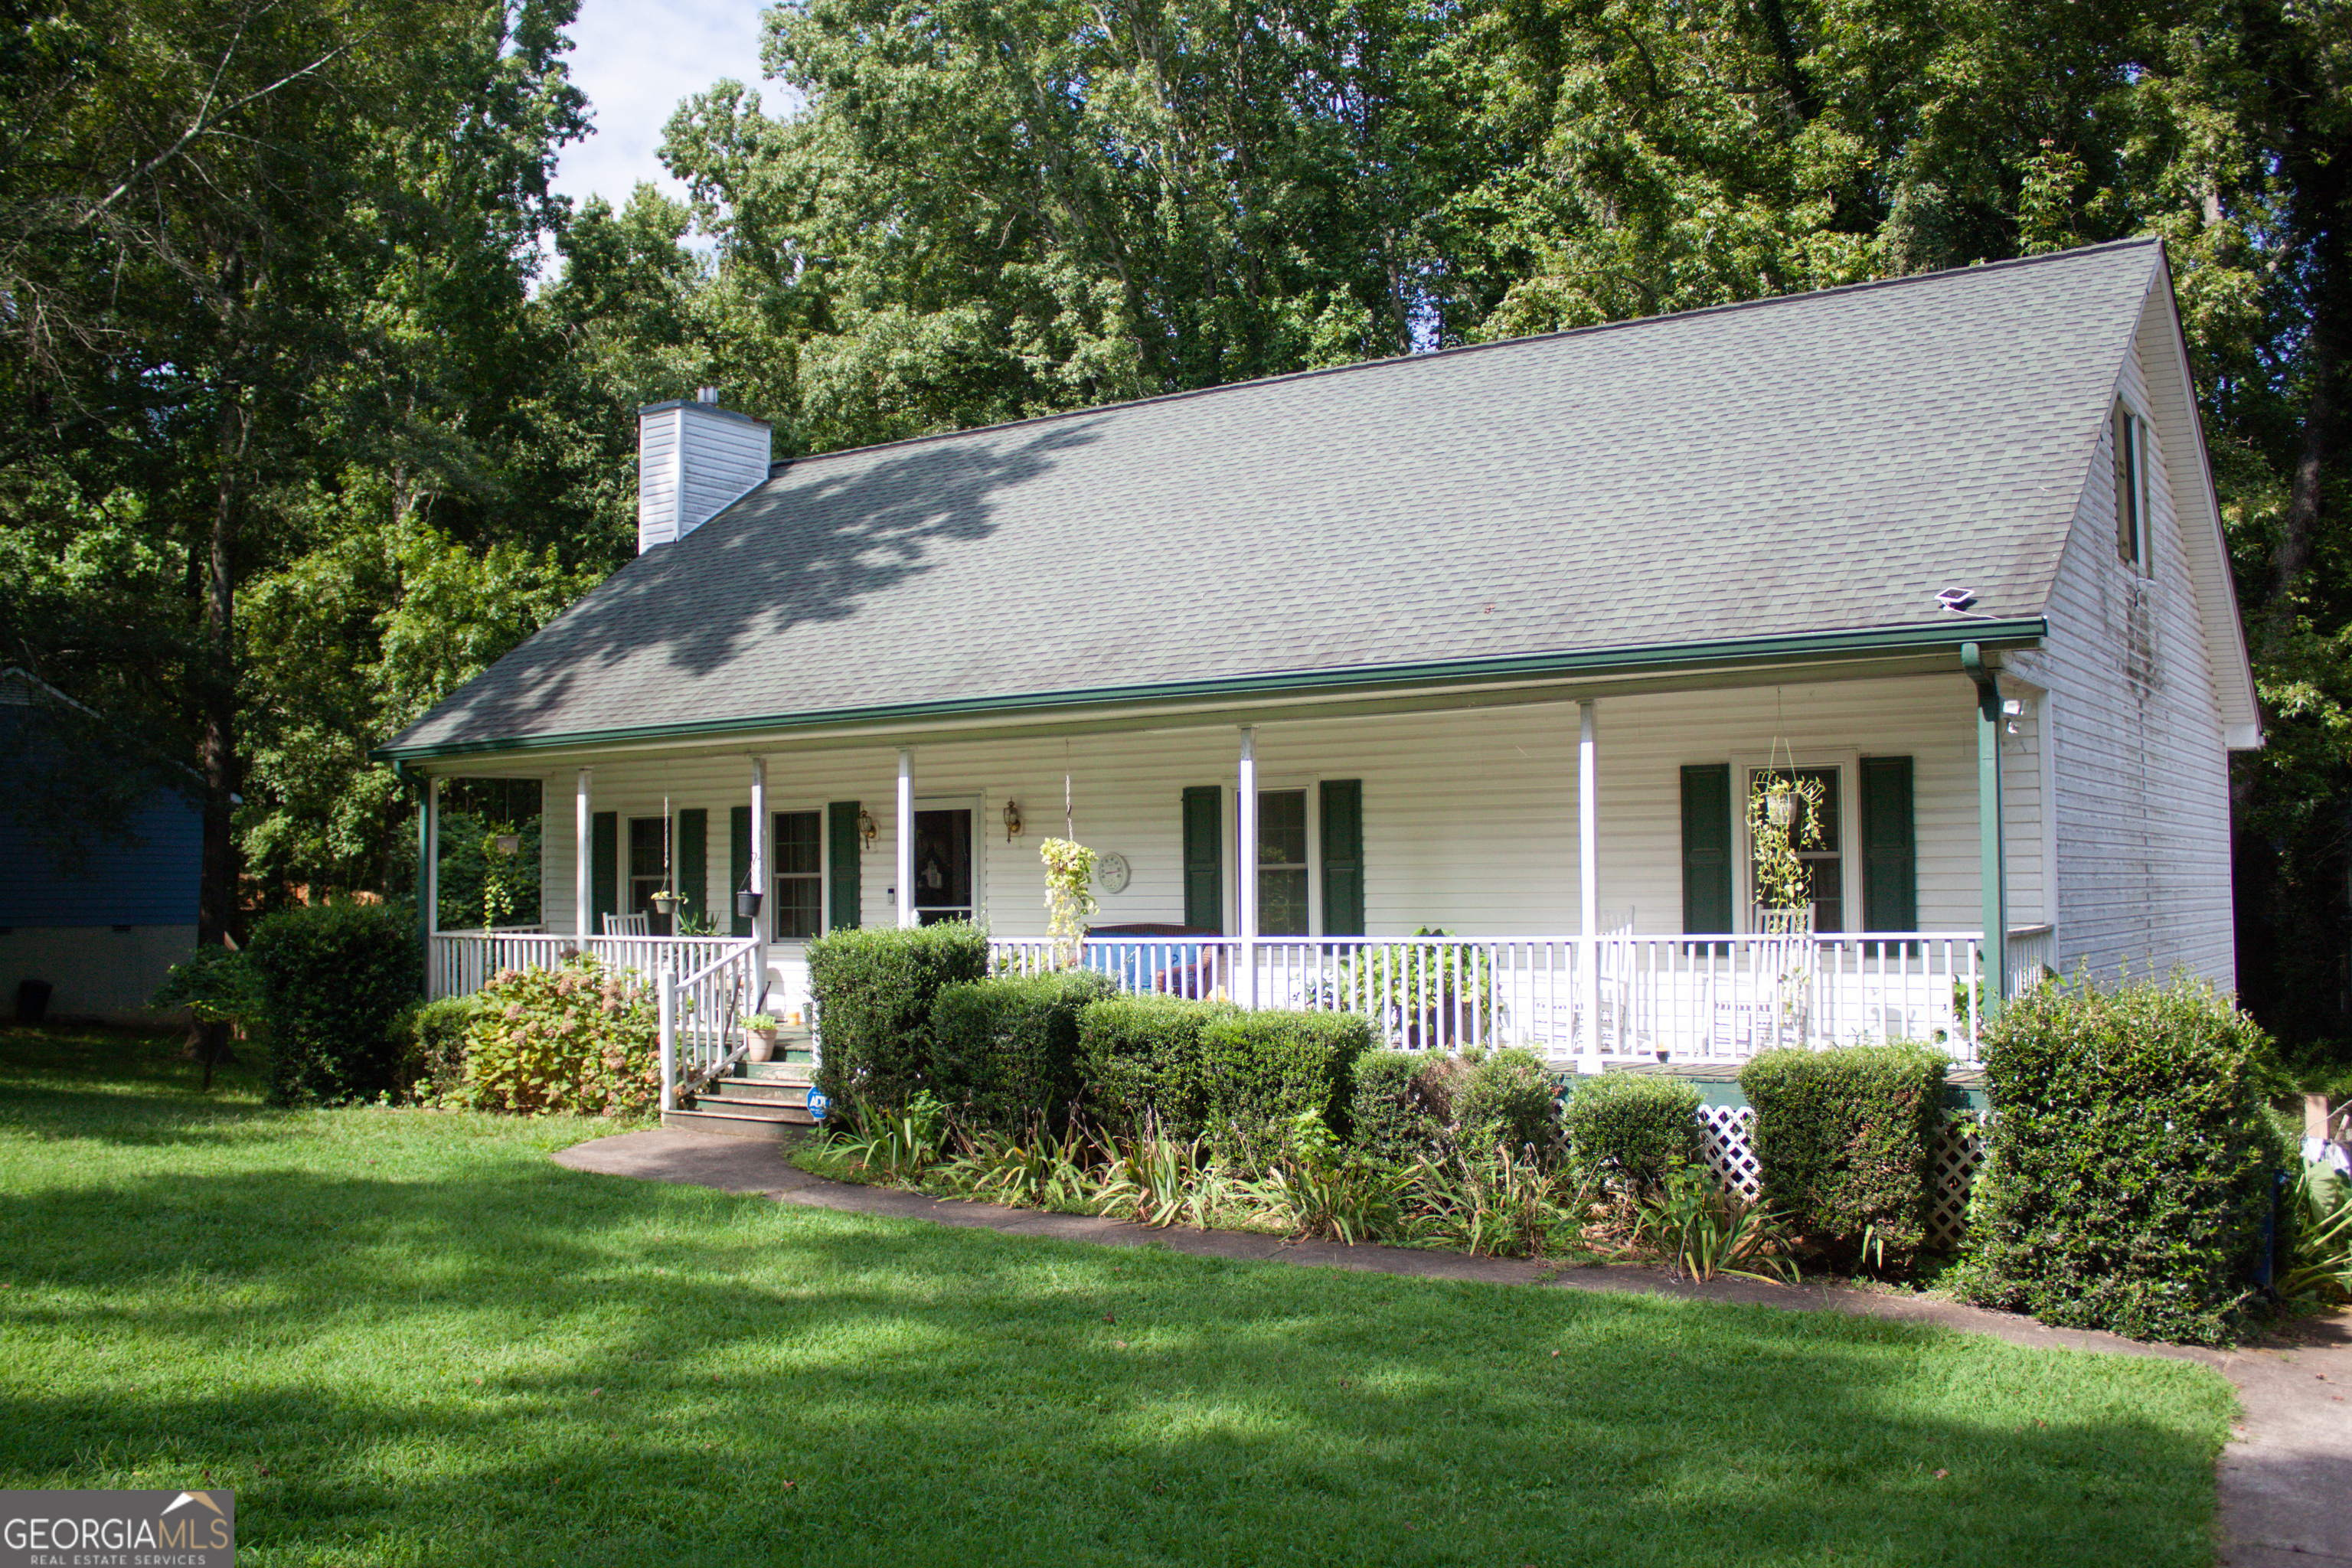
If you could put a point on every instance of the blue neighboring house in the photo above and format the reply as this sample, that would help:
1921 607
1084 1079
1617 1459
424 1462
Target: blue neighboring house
103 933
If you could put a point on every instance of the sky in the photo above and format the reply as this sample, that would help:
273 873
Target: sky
635 59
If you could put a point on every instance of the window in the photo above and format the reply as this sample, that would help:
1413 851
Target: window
1282 862
800 875
2130 435
1824 867
648 856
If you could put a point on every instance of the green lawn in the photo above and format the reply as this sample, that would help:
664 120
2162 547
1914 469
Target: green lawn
409 1338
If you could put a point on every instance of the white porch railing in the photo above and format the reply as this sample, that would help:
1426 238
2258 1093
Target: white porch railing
1707 998
704 986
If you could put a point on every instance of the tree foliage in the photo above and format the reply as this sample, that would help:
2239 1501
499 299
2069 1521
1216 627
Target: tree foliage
274 379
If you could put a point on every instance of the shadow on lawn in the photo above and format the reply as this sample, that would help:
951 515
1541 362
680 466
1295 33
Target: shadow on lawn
654 1363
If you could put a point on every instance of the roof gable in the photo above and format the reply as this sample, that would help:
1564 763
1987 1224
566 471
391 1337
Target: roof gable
1814 463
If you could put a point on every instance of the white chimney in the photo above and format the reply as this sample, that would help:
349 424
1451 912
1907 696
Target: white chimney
693 459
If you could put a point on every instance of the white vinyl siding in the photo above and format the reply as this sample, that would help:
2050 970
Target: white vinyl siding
692 461
2141 817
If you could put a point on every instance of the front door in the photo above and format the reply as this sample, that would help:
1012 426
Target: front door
943 878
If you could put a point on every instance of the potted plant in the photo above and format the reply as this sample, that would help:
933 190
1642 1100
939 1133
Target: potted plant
760 1032
666 902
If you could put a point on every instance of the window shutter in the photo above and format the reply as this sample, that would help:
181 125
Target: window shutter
738 864
1706 847
604 869
1204 877
1343 856
1890 858
694 863
842 891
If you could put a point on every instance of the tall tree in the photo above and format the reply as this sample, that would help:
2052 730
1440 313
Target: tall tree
213 217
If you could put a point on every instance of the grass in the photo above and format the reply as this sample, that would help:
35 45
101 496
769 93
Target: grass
408 1337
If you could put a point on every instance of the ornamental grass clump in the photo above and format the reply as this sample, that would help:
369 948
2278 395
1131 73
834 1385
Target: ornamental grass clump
2130 1162
579 1040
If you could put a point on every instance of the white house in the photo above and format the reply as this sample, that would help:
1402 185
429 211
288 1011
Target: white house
1496 641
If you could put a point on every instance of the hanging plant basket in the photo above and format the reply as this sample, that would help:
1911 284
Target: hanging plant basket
747 904
666 903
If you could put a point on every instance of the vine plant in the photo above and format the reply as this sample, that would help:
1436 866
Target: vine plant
1069 895
1780 880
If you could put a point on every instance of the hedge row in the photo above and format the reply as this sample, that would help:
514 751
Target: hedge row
1843 1142
2130 1169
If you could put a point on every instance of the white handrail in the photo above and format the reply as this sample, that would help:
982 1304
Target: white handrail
1694 996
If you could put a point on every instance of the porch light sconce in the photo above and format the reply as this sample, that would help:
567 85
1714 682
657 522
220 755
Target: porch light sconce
1012 820
867 831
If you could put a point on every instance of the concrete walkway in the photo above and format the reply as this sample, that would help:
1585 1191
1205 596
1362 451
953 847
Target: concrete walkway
2285 1477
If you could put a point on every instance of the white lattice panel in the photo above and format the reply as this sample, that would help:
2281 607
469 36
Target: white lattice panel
1726 1142
1952 1166
1729 1153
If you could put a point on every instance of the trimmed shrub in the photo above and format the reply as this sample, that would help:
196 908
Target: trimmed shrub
1843 1140
1261 1070
1633 1126
432 1039
2129 1161
1140 1056
873 992
1391 1113
1004 1051
334 979
1509 1101
581 1040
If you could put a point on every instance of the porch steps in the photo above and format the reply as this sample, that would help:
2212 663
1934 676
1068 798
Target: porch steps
763 1100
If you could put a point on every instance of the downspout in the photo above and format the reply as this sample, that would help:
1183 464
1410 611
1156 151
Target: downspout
1992 874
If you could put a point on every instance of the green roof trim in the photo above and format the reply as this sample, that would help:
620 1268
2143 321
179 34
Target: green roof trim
1597 662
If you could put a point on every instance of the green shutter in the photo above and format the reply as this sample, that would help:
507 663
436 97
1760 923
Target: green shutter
603 869
1343 856
1890 856
738 864
1205 876
1706 847
694 863
841 892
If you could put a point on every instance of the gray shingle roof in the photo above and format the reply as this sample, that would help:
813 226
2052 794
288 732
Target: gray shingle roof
1813 463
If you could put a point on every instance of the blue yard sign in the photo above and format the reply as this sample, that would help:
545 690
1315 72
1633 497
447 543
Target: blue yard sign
818 1105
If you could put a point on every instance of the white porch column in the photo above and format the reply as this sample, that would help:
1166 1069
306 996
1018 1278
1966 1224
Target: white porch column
431 859
1588 872
581 820
906 837
1245 857
758 872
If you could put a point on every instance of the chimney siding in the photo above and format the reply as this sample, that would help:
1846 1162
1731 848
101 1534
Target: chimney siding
693 460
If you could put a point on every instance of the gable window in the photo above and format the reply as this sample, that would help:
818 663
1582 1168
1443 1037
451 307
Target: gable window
2130 437
800 875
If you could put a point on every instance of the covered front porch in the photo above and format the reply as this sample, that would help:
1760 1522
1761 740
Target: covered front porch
1570 874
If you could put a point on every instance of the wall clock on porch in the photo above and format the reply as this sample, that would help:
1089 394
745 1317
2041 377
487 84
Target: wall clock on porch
1111 873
